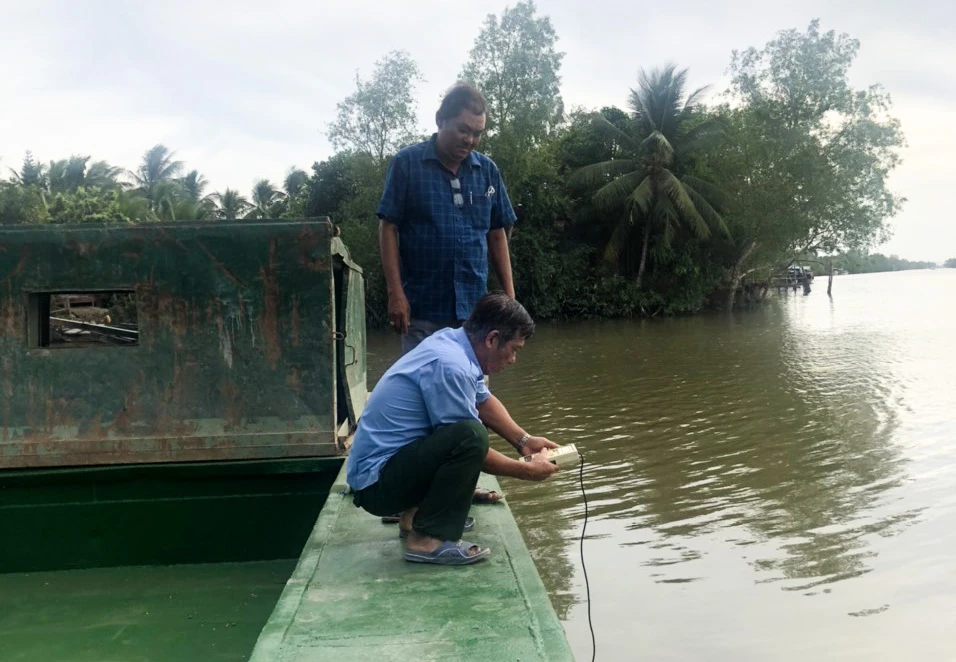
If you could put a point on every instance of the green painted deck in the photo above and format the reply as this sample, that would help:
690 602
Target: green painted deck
352 597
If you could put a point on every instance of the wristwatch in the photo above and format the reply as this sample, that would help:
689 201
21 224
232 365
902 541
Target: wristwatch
523 441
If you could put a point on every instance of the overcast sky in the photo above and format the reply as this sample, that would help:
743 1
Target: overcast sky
245 89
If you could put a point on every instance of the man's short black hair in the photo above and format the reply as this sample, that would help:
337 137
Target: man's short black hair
461 96
496 311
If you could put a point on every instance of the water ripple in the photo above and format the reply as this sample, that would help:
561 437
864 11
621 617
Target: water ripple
792 448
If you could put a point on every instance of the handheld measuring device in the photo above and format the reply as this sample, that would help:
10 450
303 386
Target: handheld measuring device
565 456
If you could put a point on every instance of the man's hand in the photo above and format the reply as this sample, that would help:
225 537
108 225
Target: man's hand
535 444
539 468
399 313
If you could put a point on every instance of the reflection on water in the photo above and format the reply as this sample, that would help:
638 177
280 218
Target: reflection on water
758 483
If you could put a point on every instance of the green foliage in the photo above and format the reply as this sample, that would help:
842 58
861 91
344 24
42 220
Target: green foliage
347 188
102 175
856 262
22 204
295 182
267 200
87 205
66 175
950 263
32 173
194 185
331 185
380 117
515 65
642 185
230 204
661 210
156 169
836 145
582 142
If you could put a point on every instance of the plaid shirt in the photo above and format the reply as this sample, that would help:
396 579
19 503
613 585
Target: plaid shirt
443 248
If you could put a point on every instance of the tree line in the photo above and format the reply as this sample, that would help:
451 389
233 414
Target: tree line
856 262
671 203
74 190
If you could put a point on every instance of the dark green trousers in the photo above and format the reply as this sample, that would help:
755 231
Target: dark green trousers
438 474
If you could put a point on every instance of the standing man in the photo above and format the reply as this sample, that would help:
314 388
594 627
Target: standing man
443 213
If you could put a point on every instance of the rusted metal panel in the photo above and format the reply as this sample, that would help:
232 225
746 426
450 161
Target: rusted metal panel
235 356
351 324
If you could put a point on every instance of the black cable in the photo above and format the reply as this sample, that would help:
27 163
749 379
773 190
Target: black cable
587 584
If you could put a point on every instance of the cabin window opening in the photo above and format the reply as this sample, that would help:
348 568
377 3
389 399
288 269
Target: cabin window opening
83 319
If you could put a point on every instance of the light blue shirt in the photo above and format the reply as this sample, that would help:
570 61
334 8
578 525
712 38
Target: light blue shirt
438 383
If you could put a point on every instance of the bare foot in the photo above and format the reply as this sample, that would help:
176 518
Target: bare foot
485 496
405 521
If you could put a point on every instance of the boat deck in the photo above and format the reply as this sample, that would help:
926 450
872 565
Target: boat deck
353 597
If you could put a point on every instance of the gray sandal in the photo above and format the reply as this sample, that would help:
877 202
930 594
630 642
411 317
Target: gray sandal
450 553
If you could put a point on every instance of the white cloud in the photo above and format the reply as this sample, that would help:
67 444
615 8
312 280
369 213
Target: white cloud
245 89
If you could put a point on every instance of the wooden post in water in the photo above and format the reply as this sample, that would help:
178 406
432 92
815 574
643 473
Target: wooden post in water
830 282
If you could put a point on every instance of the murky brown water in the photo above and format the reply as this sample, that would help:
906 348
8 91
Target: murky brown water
775 485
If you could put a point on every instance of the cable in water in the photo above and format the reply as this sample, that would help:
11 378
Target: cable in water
587 584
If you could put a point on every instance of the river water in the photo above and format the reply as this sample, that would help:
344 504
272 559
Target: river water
779 484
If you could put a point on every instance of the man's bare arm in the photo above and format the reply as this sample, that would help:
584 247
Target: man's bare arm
493 413
500 256
399 313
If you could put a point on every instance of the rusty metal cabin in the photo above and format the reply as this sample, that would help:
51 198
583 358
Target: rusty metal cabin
222 359
236 348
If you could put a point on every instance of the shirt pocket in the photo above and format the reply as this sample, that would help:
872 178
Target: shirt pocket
479 212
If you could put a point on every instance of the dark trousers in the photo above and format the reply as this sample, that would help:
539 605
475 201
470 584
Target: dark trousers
438 474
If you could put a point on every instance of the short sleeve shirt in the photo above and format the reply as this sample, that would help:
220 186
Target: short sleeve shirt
438 383
443 246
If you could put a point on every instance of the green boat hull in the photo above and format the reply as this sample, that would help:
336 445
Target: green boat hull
154 562
181 613
160 514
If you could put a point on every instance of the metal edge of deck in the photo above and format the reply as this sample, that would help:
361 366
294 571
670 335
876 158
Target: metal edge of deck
353 597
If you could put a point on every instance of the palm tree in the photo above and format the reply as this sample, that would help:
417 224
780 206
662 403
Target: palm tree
67 175
644 186
185 209
194 185
295 180
134 207
157 166
265 197
167 195
230 205
103 175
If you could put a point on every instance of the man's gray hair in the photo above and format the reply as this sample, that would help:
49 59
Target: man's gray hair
496 311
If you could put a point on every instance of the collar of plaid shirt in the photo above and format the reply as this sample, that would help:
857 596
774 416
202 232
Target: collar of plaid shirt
430 153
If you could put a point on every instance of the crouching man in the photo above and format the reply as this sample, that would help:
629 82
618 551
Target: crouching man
421 442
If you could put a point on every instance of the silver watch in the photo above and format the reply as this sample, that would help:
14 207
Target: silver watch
523 441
